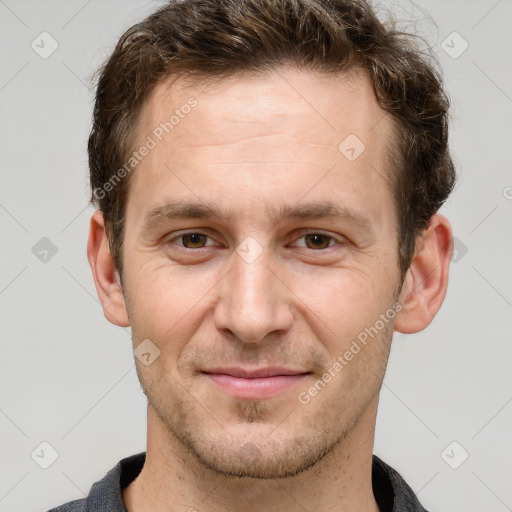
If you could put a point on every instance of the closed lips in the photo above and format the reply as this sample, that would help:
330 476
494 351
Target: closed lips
254 374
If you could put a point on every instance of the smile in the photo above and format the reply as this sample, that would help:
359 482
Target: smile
259 384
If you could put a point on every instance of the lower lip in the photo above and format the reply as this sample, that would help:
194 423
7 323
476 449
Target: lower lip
263 387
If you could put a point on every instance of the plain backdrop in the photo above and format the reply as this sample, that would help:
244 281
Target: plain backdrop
67 376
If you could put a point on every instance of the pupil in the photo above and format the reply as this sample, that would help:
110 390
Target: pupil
318 240
193 239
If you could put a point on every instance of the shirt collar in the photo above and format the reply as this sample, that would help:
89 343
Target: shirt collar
391 491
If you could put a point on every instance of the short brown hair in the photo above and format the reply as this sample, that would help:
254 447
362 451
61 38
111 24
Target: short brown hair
215 38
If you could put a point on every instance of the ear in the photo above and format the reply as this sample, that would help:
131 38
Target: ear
426 280
106 277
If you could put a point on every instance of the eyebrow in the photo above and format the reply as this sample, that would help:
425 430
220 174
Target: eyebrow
309 211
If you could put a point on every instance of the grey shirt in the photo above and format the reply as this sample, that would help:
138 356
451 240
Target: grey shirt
390 490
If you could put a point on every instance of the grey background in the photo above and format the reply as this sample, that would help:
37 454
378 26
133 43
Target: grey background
67 376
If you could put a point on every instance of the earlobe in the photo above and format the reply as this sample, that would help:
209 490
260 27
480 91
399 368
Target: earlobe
426 281
106 277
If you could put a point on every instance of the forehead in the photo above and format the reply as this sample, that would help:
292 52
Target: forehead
332 105
286 132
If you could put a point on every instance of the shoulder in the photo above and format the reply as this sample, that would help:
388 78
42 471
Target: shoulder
106 494
71 506
391 491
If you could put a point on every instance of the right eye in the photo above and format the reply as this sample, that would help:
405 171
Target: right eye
192 240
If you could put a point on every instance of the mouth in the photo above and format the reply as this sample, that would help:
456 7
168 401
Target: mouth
256 384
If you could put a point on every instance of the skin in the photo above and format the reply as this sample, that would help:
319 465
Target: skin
253 144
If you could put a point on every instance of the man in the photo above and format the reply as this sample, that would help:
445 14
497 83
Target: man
267 176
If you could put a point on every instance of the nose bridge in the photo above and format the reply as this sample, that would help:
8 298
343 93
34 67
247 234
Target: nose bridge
253 302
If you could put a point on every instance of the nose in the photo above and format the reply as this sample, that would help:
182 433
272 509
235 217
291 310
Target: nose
254 302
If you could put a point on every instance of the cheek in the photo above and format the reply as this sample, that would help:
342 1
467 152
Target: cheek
166 305
348 302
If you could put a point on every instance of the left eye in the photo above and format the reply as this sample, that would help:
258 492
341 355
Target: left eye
317 241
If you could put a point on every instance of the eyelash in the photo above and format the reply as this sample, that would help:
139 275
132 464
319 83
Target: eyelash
197 249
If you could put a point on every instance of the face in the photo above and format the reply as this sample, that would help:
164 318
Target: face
253 242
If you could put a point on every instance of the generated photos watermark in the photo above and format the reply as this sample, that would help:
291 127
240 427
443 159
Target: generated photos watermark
342 360
151 142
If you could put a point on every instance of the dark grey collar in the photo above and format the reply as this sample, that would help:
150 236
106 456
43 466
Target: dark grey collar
391 491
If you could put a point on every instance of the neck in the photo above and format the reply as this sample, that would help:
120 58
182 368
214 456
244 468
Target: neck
173 479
